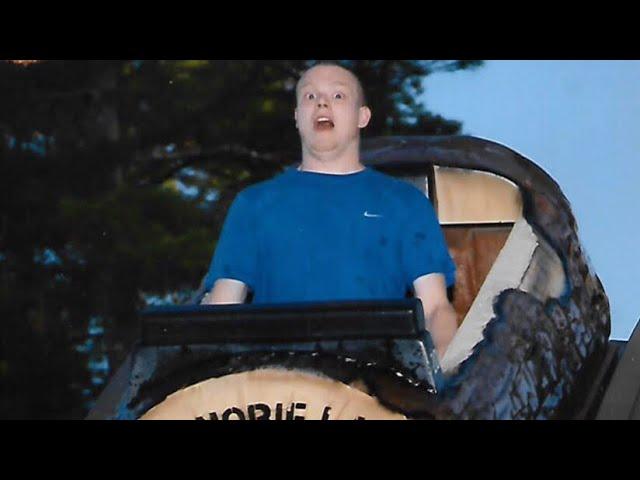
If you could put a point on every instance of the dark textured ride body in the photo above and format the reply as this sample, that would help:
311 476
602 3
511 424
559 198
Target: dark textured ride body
537 360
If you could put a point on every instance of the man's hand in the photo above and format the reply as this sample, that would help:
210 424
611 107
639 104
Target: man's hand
226 292
440 317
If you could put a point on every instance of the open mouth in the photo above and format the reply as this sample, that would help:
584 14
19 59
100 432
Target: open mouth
323 124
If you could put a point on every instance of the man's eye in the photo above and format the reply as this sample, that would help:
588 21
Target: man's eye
310 96
338 96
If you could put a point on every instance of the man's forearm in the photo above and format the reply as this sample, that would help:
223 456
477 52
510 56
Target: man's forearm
226 292
443 326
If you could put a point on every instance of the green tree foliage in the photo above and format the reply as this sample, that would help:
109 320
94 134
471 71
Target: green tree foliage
104 176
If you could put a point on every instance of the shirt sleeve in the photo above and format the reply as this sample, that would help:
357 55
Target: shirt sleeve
424 249
235 255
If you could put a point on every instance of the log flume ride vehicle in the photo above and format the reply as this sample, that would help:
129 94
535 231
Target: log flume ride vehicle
533 341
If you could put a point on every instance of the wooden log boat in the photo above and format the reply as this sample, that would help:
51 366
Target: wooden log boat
533 341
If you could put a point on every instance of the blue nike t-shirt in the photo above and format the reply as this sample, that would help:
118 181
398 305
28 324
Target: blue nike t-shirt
306 236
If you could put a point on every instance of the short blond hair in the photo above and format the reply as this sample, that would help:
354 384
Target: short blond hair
359 87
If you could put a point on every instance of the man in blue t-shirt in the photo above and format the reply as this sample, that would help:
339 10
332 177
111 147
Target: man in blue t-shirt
333 229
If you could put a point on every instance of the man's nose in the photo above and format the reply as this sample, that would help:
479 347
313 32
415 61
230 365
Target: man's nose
322 102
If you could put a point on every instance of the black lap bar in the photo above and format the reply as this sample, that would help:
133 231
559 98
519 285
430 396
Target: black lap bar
296 322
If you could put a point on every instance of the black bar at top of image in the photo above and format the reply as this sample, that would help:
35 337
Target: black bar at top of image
203 324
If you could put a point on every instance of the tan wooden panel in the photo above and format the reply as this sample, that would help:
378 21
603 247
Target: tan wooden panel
474 250
469 196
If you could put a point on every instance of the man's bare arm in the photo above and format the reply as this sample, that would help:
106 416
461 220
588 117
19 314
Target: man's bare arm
440 317
225 292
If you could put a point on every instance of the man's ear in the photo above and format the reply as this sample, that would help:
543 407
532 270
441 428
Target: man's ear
364 116
295 116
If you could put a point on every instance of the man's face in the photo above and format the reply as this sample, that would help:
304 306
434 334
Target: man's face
329 114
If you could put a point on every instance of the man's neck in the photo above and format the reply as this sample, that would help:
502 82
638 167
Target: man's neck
348 162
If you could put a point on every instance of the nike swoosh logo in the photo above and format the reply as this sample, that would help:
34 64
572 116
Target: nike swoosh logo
371 215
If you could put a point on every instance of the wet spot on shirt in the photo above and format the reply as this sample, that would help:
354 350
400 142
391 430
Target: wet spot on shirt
383 241
226 269
419 238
